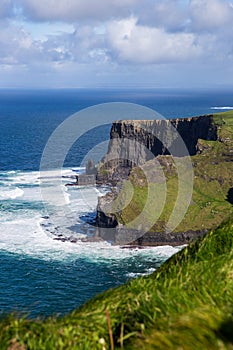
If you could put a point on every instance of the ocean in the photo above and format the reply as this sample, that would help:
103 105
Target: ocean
43 273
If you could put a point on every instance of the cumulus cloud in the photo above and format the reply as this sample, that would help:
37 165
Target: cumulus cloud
15 44
84 45
17 47
211 14
112 36
72 10
143 44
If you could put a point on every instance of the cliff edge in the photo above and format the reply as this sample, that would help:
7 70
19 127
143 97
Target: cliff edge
135 147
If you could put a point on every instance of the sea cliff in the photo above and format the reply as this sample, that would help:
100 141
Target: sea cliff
139 145
134 142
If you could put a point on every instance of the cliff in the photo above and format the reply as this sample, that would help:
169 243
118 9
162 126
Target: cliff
133 144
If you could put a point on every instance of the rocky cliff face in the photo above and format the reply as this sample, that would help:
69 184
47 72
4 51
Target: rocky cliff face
134 142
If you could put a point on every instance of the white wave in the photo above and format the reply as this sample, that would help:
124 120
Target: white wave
59 173
18 177
10 193
222 108
138 274
36 177
26 236
24 232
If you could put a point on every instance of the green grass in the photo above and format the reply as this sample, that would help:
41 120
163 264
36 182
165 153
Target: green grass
186 304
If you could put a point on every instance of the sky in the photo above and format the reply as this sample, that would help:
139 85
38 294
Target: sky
116 43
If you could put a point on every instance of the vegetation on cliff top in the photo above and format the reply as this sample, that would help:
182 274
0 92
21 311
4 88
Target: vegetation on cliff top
213 169
186 304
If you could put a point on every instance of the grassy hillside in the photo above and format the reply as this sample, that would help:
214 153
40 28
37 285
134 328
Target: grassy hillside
186 304
213 169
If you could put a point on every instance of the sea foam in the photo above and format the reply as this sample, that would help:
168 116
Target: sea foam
33 230
10 193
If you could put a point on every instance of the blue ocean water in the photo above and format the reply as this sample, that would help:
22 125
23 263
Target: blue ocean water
40 275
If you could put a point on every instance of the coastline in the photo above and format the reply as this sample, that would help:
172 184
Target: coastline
211 161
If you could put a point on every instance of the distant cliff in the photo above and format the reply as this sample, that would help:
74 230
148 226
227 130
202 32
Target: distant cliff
134 142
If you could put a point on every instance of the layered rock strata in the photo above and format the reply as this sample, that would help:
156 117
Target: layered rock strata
134 142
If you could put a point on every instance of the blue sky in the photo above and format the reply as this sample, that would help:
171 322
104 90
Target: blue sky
116 43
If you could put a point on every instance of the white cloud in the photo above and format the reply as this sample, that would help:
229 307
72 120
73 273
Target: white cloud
17 47
72 10
14 43
143 44
211 14
84 45
112 39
